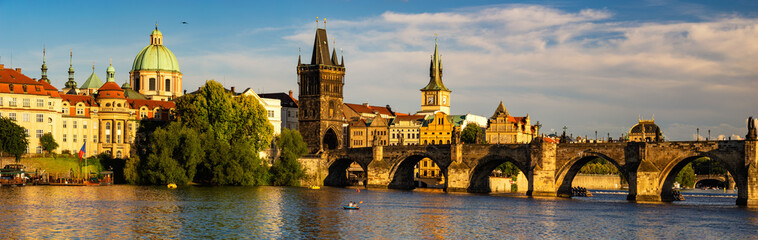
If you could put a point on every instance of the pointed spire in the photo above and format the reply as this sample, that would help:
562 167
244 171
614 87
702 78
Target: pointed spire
298 57
342 56
500 110
435 71
334 51
71 83
44 66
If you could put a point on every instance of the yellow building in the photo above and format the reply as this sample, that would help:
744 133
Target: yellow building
404 130
363 132
436 129
502 128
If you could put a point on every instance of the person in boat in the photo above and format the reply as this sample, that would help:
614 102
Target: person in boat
350 204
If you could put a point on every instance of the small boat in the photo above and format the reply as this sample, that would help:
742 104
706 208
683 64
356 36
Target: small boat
315 187
351 208
171 186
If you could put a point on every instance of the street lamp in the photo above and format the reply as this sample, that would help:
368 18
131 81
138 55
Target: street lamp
697 137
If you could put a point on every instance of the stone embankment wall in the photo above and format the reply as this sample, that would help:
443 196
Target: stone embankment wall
315 170
589 181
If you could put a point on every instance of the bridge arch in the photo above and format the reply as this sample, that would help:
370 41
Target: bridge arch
566 173
668 176
331 140
338 176
479 181
401 173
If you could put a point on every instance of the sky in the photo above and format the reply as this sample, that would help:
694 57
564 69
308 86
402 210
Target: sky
592 66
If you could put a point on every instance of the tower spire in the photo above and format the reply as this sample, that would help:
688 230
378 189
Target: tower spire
435 71
71 83
44 66
298 57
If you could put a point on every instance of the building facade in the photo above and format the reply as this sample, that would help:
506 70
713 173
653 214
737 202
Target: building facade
288 108
320 114
503 128
405 129
645 131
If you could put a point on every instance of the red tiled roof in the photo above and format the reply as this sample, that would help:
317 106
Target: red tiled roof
150 104
110 90
549 140
74 99
51 91
110 86
359 108
10 77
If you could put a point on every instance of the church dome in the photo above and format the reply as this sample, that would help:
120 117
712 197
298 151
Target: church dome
155 57
645 127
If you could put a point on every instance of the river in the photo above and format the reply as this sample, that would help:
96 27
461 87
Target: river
124 211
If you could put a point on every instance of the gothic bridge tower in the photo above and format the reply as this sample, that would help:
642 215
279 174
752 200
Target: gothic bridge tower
435 97
320 99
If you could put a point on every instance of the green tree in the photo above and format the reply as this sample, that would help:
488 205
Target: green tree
48 143
233 130
173 154
13 139
288 171
686 176
509 169
471 134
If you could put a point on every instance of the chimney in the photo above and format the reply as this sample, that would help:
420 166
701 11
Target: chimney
290 93
365 104
185 91
18 70
232 89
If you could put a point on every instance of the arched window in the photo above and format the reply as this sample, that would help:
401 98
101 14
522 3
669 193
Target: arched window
432 142
118 154
168 84
107 126
118 126
136 83
152 84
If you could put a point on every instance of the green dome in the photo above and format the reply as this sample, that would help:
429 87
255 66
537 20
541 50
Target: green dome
156 32
155 58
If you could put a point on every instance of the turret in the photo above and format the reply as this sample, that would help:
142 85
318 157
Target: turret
44 67
71 83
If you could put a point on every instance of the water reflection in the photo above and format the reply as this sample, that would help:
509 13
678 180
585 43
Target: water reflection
276 212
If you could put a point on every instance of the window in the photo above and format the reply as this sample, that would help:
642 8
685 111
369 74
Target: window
270 114
64 123
1 101
12 116
142 114
79 111
40 102
84 138
65 110
74 138
64 137
94 138
107 138
40 118
12 102
108 126
84 124
168 85
39 149
118 126
152 84
74 125
118 154
157 115
26 117
27 102
26 132
39 133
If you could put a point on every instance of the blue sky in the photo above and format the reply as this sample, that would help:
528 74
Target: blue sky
591 66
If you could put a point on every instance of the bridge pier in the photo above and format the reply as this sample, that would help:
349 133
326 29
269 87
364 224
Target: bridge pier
378 171
750 192
543 171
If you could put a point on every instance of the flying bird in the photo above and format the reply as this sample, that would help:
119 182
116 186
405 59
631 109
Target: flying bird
184 22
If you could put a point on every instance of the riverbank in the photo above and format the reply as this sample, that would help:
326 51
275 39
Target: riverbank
58 165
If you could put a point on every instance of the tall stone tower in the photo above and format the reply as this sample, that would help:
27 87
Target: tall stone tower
320 99
435 97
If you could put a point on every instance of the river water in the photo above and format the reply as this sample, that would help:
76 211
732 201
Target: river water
294 213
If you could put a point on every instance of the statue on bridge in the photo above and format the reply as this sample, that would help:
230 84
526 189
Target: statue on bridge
401 139
456 136
751 133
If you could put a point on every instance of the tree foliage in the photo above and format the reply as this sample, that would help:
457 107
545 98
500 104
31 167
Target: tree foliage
686 176
13 139
509 169
48 142
706 166
233 129
288 171
471 134
599 166
172 157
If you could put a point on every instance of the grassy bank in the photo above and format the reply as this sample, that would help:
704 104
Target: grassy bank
61 164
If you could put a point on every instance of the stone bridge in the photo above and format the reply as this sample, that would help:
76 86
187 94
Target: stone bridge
649 168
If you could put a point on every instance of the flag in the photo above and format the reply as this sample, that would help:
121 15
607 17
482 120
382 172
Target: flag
82 151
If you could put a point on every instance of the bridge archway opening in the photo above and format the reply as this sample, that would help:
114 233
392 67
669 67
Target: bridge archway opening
418 171
346 172
683 175
501 168
595 172
330 139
